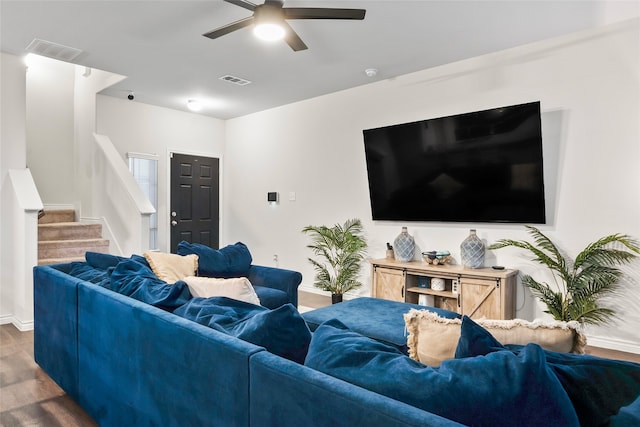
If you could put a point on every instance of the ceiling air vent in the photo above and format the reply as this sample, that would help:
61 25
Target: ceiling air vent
235 80
53 50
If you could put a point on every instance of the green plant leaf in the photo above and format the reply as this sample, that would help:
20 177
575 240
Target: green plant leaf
341 250
583 281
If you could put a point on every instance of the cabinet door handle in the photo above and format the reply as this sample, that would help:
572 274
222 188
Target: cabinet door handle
403 292
458 300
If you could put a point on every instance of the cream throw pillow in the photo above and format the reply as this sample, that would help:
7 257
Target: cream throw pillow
433 339
239 288
171 267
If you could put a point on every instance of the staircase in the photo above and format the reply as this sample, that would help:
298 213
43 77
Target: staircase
61 239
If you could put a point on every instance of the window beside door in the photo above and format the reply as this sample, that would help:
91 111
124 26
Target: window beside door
144 168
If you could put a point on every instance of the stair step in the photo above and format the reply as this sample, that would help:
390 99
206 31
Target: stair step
57 215
62 240
69 230
49 261
70 248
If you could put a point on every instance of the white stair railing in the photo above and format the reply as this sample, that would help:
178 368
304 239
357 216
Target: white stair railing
22 255
119 200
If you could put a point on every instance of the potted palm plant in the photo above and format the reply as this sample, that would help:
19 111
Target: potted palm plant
580 282
341 250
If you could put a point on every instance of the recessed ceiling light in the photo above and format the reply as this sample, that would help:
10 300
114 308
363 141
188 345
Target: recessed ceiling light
194 105
371 72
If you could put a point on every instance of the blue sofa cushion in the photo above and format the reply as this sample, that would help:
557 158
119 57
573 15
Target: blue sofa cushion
104 261
281 331
500 389
598 387
230 261
138 281
84 271
628 416
270 297
375 318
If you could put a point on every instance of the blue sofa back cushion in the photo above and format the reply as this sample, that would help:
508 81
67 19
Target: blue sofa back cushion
84 271
598 387
104 261
137 280
281 331
500 389
230 261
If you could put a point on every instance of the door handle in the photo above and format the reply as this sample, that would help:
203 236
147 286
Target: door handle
174 223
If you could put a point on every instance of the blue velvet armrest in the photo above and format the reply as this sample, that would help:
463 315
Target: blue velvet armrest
276 278
55 337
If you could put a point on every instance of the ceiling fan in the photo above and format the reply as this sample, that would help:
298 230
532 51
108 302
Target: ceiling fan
270 19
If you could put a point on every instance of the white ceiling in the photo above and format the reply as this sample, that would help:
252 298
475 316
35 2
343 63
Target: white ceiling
159 45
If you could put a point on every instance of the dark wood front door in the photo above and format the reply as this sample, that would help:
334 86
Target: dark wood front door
195 200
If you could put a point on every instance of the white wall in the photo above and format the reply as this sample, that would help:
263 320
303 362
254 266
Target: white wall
87 84
588 85
143 128
12 156
589 88
50 129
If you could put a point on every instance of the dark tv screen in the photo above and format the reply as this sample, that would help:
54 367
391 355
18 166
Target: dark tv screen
484 166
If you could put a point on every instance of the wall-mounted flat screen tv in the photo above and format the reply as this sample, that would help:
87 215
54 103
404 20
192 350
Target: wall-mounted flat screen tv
484 166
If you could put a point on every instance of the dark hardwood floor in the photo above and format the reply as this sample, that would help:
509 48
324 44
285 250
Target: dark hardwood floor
28 397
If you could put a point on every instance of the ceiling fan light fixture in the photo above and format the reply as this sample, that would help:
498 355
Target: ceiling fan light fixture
270 20
269 31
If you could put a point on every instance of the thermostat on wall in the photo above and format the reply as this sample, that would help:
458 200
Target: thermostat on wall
272 197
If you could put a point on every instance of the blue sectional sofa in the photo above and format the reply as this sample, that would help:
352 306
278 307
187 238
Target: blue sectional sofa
134 360
129 363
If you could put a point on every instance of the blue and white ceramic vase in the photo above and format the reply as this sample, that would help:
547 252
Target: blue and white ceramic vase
404 246
472 251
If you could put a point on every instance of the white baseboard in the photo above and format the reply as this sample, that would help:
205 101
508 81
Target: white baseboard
313 290
21 326
58 207
614 344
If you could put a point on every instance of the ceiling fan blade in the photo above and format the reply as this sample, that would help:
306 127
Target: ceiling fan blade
322 13
293 39
243 3
218 32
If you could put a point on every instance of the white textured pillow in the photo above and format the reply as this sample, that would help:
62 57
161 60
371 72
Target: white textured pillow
239 288
554 335
171 267
433 339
